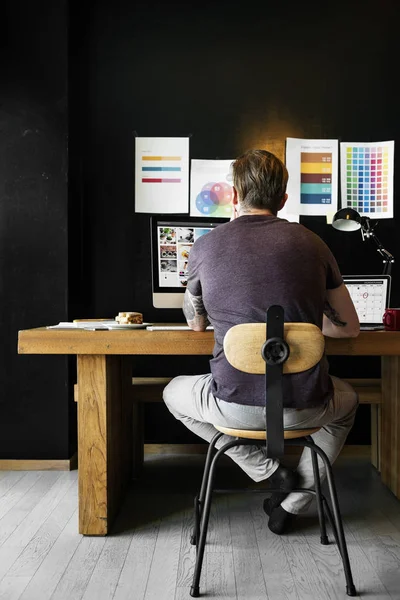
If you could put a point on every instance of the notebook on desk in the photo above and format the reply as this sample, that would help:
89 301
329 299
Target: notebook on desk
371 296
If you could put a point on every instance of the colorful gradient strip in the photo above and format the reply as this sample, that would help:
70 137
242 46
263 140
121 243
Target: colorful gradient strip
316 199
316 157
315 188
161 169
313 167
161 158
315 178
152 180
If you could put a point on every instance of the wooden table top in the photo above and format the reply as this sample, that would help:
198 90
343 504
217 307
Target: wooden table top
140 342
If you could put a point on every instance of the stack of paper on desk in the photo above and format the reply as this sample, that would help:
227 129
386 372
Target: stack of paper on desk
94 324
82 325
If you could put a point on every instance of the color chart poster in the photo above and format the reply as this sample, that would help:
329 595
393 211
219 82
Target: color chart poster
161 175
313 176
211 188
367 178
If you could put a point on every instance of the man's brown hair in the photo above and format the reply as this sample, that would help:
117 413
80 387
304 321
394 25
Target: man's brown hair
260 179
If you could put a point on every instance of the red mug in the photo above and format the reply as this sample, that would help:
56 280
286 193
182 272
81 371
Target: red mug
391 319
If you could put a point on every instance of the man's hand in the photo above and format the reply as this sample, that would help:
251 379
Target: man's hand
194 311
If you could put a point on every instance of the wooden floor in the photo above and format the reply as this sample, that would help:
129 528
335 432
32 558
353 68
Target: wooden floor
148 555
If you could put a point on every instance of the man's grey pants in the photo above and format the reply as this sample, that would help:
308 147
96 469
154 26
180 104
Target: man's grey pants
190 400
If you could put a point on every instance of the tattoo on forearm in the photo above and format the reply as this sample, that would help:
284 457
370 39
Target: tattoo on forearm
333 315
194 311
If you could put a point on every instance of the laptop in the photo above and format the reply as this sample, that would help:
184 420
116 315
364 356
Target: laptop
371 296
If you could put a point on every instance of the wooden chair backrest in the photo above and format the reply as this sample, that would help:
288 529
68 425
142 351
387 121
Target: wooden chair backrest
243 343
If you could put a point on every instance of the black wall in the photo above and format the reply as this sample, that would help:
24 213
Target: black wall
231 77
34 399
232 80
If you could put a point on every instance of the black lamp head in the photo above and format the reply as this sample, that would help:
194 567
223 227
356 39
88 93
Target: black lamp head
347 219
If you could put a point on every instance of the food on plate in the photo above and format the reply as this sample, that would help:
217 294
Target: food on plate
125 318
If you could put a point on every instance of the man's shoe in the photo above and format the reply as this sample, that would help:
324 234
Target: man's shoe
283 479
280 520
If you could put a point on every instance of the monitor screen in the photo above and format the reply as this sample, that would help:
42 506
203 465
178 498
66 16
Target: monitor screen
370 295
172 240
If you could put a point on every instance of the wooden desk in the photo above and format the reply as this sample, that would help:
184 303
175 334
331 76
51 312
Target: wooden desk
105 406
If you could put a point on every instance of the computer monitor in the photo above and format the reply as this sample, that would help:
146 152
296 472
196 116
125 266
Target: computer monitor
171 241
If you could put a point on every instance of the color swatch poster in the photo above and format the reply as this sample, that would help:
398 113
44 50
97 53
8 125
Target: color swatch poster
367 178
161 175
313 176
211 188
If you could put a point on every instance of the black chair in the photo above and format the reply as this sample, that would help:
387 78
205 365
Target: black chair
275 350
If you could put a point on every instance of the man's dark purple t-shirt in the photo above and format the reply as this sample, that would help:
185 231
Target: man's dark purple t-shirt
243 267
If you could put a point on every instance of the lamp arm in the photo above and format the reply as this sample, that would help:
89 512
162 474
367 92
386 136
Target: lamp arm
387 256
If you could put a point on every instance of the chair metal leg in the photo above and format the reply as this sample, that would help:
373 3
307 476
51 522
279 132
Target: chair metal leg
203 506
329 516
194 536
318 495
205 515
350 587
199 500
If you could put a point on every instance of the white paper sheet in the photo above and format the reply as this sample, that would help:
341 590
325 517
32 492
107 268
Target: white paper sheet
97 325
283 214
367 178
313 176
211 188
161 175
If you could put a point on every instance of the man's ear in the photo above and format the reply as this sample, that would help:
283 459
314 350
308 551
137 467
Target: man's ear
235 203
235 200
283 202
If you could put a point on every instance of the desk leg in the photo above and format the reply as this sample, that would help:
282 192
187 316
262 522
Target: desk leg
104 439
390 432
138 438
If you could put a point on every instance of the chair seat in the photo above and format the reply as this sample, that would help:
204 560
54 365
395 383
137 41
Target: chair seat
252 434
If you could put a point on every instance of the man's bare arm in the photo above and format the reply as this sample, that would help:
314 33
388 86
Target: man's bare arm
340 317
333 315
194 311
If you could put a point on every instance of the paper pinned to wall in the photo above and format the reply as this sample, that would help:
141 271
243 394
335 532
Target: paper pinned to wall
161 174
313 176
367 171
284 214
211 188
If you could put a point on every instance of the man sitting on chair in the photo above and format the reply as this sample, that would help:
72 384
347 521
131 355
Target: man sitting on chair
235 273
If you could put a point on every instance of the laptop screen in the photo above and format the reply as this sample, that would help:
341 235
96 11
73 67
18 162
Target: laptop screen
370 295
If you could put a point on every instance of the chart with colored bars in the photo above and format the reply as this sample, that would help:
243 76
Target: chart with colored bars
163 169
316 178
161 175
367 179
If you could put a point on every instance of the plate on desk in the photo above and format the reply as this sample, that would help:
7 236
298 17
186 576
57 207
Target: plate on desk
128 325
109 326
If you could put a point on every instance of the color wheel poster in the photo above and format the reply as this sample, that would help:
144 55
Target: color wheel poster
211 188
161 175
313 176
367 178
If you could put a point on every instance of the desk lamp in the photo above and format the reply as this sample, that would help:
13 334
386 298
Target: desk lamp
348 219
